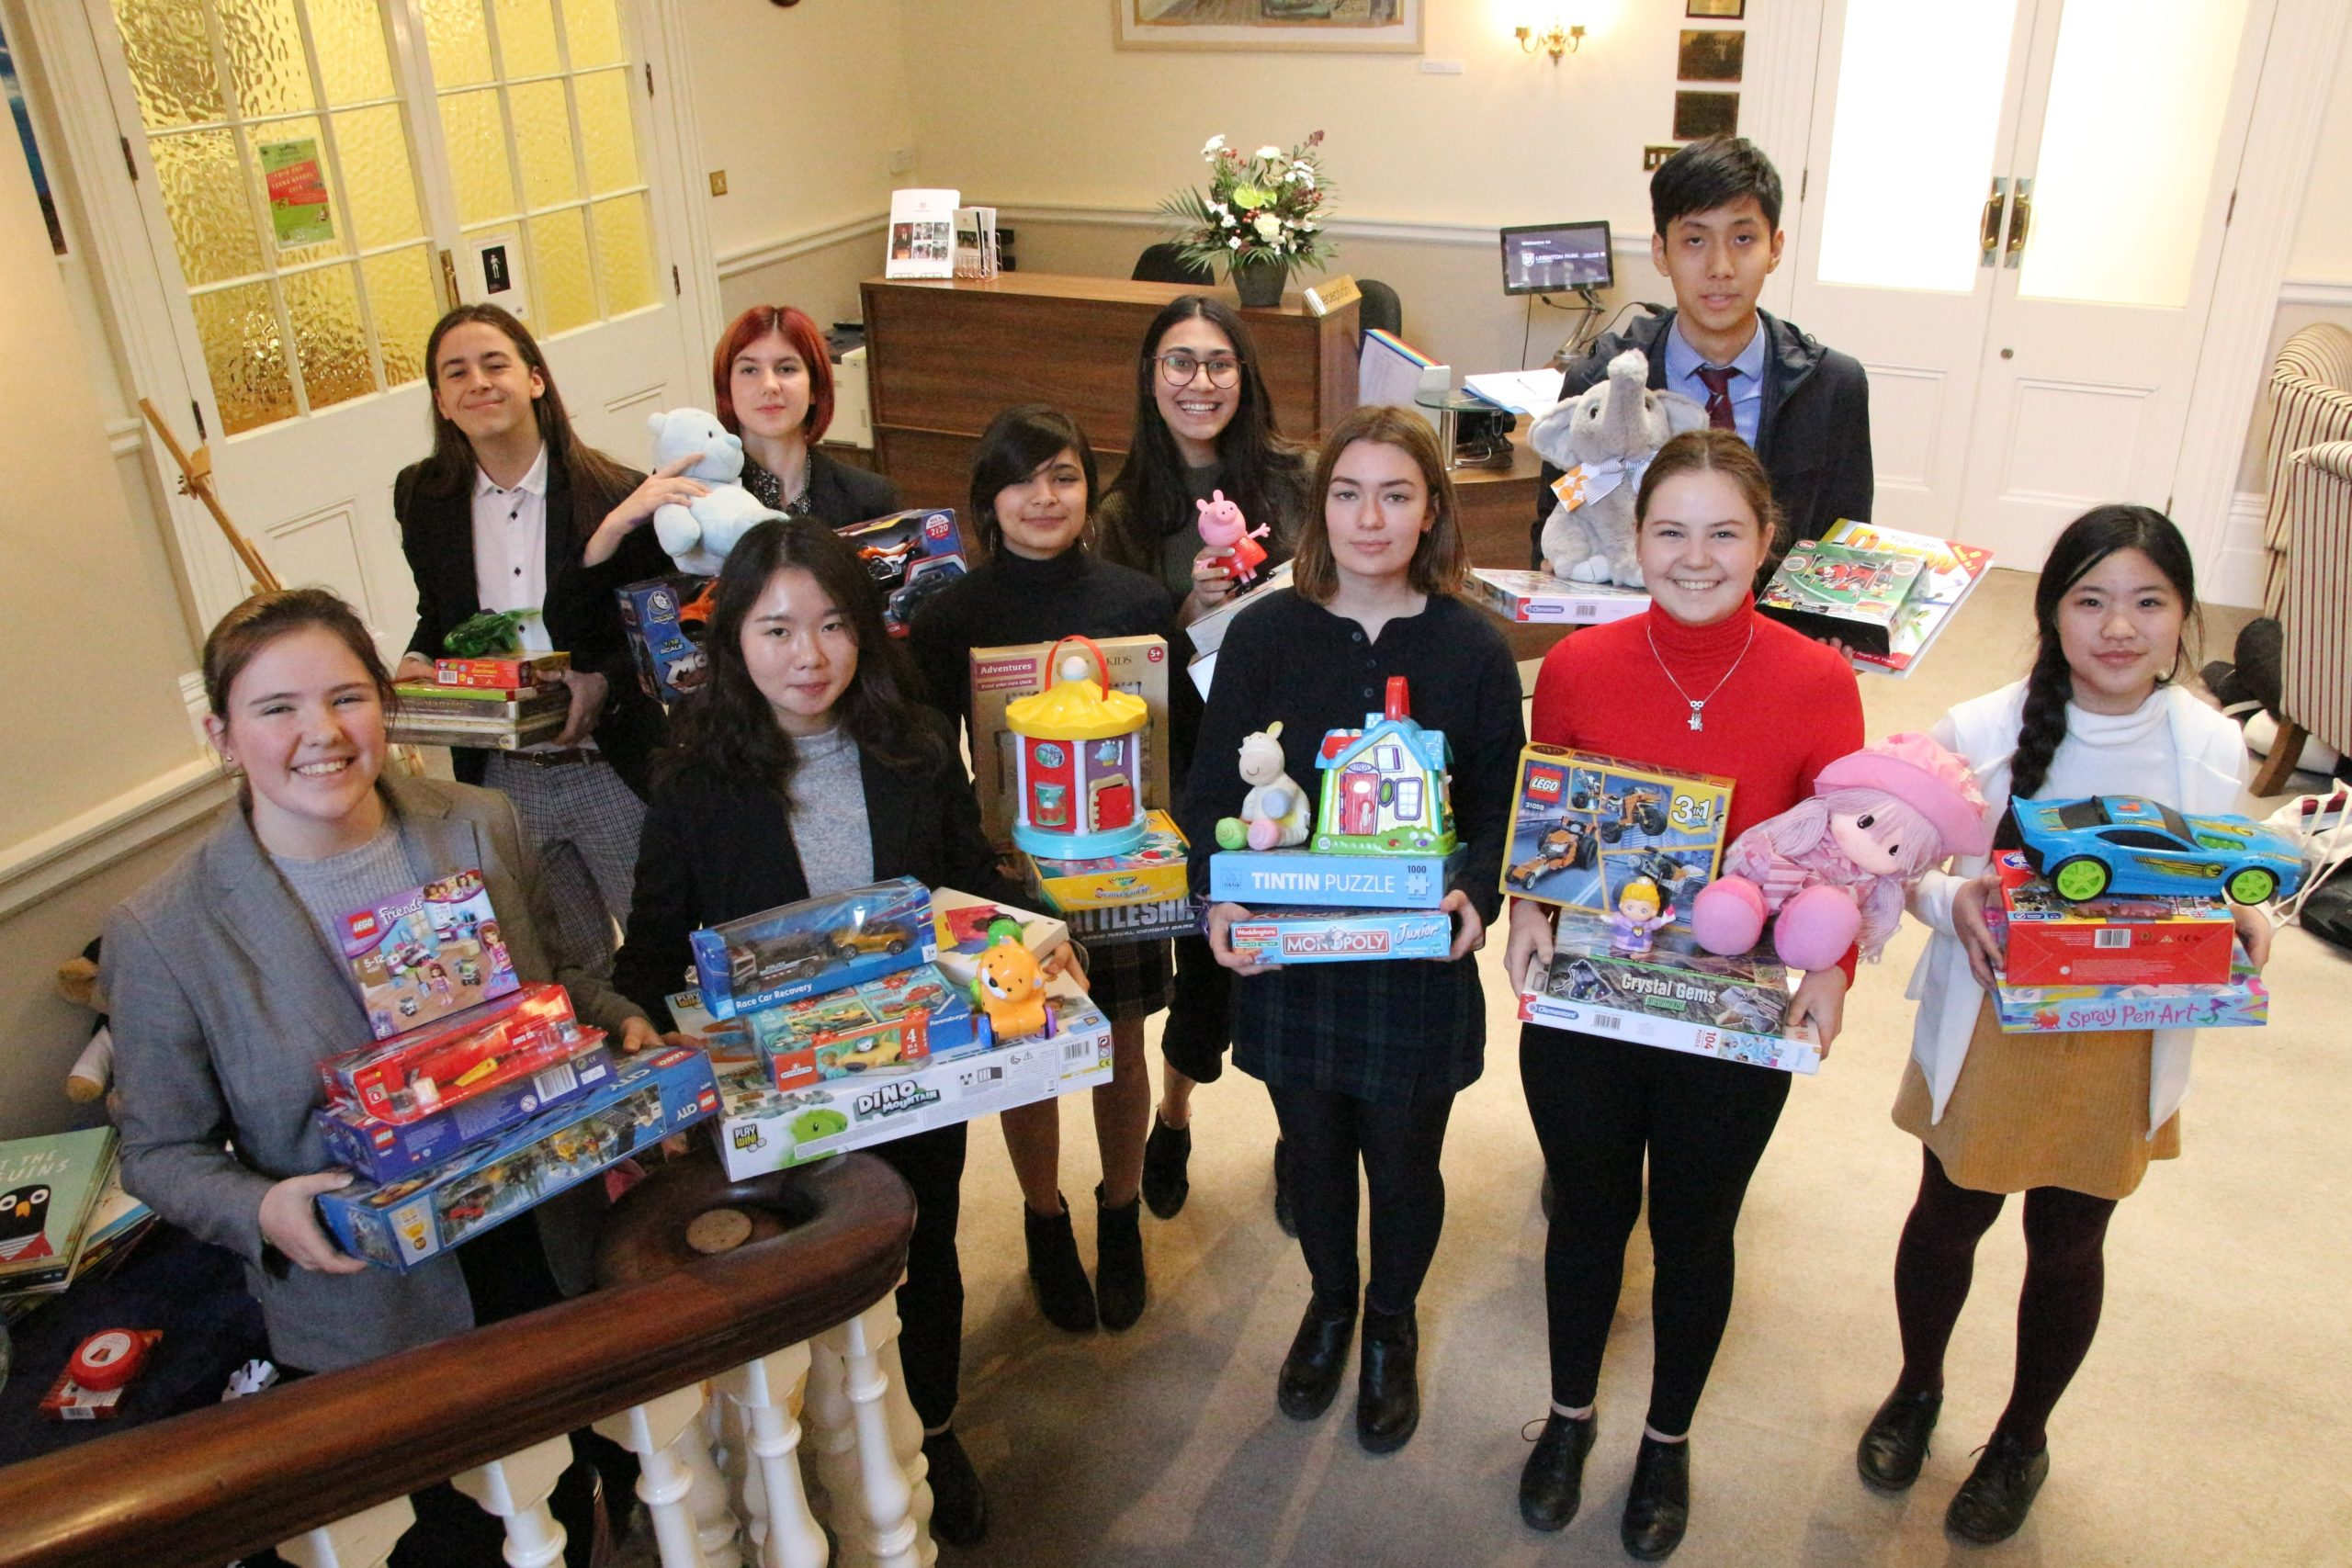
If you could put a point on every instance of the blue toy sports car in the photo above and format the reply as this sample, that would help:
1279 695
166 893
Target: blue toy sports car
2126 843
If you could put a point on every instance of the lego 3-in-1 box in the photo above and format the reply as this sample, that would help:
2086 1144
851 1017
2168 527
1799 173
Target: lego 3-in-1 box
1585 825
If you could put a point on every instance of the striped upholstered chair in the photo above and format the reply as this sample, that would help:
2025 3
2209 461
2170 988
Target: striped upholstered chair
2307 579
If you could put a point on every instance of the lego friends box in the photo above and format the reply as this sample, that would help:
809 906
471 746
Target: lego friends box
1584 828
427 953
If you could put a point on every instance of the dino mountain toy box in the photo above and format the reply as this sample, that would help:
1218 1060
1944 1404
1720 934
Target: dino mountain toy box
2142 940
1836 591
1538 598
761 1127
1002 676
1677 996
1584 827
2244 1002
408 1222
818 944
1338 936
903 1019
387 1151
427 953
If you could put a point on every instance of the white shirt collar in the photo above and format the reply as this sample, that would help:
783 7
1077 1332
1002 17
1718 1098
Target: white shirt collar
536 481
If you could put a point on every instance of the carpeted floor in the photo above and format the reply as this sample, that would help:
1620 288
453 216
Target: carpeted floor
2206 1429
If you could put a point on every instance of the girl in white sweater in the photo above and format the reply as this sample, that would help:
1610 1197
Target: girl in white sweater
2071 1121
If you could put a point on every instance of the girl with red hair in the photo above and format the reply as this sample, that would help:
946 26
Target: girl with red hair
773 383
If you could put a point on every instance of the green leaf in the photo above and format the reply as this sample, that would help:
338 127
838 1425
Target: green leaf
489 635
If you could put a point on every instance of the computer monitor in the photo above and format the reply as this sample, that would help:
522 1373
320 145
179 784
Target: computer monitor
1556 258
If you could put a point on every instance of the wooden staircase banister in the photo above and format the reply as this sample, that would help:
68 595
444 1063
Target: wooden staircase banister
203 1488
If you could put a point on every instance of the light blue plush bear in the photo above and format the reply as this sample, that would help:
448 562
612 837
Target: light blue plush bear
698 536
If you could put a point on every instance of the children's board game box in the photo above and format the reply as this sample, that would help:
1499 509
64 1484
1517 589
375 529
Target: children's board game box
2177 940
762 1128
1836 591
898 552
426 1070
425 954
1340 936
2244 1002
405 1223
47 1185
506 674
1289 878
664 617
1538 598
959 926
1584 825
1207 634
387 1151
1677 996
818 944
1152 871
1949 573
897 1022
1002 676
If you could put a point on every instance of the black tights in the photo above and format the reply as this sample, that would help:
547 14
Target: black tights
2065 1280
1324 1135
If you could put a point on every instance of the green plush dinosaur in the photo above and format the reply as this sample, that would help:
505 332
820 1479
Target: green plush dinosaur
494 634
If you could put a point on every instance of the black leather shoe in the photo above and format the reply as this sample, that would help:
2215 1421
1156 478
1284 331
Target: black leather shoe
1992 1503
1284 1215
1166 1155
1063 1293
959 1509
1657 1508
1894 1444
1388 1393
1318 1359
1120 1288
1551 1486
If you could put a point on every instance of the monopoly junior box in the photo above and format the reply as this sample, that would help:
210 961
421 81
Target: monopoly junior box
818 944
1537 598
427 953
406 1223
1584 825
1677 996
762 1128
1286 878
665 635
2243 1003
2177 940
1002 676
1340 936
387 1151
901 1020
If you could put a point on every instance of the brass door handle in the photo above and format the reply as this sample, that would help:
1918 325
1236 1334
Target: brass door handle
2021 222
1989 227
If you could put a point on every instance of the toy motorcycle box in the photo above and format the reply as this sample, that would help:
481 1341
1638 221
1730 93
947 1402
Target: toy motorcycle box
427 954
897 551
387 1151
2181 940
406 1223
1677 996
472 1054
818 944
892 1024
2241 1002
1292 878
664 617
1584 825
1341 936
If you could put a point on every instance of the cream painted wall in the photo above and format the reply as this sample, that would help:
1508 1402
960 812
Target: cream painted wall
821 280
2322 249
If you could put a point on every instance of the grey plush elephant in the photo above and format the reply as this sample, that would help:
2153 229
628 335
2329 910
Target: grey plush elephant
1601 439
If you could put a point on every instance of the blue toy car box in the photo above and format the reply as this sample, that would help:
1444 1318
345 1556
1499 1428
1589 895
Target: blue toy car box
818 944
390 1151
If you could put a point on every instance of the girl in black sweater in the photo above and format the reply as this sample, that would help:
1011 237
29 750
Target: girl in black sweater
1033 485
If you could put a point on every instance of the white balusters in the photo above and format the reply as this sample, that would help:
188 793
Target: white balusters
707 1499
516 1489
651 1431
883 1490
781 1524
364 1540
832 1431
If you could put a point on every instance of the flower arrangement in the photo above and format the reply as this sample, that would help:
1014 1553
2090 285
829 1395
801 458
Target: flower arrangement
1262 211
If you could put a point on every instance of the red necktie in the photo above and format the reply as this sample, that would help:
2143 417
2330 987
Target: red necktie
1718 380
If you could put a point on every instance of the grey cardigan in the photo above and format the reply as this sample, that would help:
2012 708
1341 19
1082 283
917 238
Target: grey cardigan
224 1001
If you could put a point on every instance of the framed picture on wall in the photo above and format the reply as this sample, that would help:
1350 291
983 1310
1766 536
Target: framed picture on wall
1697 115
1720 10
1333 26
1711 55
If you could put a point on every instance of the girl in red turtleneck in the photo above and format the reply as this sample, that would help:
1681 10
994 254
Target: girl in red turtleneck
1700 682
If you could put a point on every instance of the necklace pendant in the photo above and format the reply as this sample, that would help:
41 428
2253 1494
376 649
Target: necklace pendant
1698 720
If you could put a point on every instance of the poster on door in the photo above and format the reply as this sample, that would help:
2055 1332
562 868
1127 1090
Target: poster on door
298 192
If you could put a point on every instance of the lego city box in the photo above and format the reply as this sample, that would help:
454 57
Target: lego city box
897 1022
403 1223
818 944
2241 1002
427 953
387 1151
761 1127
1002 676
2173 940
1290 878
1341 936
1675 996
664 618
1538 598
1585 827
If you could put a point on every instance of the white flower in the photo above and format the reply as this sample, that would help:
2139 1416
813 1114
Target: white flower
1215 145
1268 226
1270 152
1235 242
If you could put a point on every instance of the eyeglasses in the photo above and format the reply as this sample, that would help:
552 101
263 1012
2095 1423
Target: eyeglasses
1179 368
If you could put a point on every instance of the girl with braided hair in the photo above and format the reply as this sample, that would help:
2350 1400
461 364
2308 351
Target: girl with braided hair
2071 1121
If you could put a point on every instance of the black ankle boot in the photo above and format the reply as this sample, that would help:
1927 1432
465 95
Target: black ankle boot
1119 1288
1063 1294
1552 1484
1284 1215
1318 1359
959 1509
1894 1444
1389 1395
1166 1155
1657 1508
1992 1503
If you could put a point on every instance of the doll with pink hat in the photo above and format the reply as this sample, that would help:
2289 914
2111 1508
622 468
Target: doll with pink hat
1835 867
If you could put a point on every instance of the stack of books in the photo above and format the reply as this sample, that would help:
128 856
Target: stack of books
63 1215
501 704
